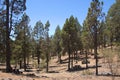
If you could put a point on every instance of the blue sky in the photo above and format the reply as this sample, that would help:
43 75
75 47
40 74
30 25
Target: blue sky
56 11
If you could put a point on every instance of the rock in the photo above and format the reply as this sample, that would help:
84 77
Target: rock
84 61
16 71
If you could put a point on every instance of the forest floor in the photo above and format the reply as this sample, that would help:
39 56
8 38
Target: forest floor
59 71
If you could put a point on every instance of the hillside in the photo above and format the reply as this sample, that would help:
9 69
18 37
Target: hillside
59 71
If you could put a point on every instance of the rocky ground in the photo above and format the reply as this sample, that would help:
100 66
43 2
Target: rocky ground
59 72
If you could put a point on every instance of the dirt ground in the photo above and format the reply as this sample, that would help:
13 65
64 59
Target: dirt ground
59 72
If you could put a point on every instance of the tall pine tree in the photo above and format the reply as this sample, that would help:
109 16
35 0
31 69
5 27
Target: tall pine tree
93 19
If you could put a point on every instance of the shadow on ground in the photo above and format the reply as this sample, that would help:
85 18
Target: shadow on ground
79 68
108 74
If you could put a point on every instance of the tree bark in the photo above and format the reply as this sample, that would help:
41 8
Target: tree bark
95 49
104 41
86 59
72 61
47 61
24 51
111 40
24 60
38 57
8 51
76 56
59 55
47 55
20 64
11 14
69 55
60 58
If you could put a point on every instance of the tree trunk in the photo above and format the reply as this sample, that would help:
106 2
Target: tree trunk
8 51
76 56
38 59
86 59
47 55
69 55
104 43
111 40
24 51
28 58
59 57
25 61
72 61
20 64
47 61
95 50
11 14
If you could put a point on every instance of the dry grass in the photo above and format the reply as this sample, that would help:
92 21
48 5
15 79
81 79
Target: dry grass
59 71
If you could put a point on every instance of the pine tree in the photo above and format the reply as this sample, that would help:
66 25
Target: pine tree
57 41
16 8
46 30
38 35
93 19
22 41
69 38
113 22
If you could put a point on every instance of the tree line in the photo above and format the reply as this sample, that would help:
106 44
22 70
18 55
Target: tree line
19 41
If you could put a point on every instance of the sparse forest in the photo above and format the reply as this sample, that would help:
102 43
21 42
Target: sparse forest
90 50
